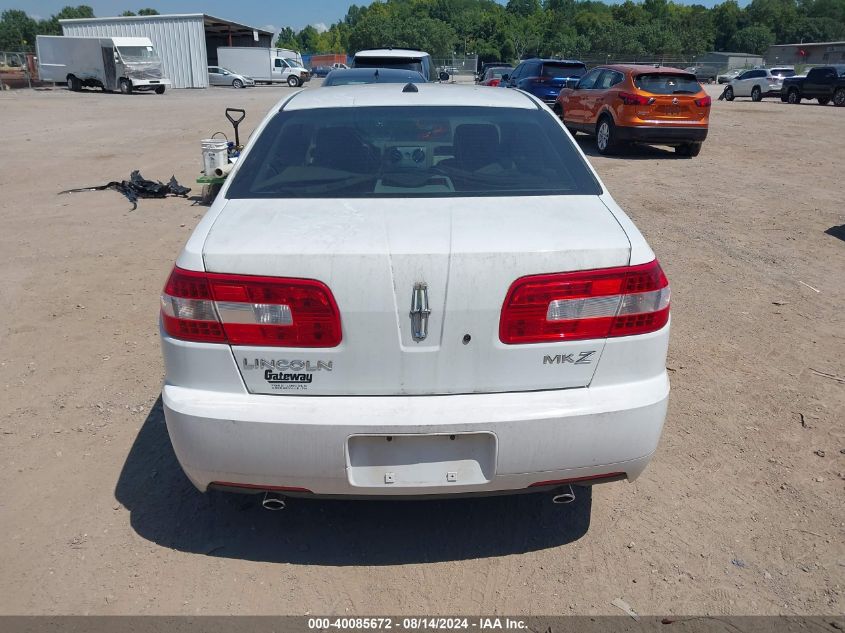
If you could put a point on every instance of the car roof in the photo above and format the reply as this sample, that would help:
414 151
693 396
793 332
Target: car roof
361 72
553 61
390 52
647 68
394 75
391 94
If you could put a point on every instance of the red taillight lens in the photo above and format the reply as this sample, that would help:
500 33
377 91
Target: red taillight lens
249 310
704 102
495 82
632 99
586 304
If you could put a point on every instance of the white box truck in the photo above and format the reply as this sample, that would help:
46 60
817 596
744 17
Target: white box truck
110 63
265 65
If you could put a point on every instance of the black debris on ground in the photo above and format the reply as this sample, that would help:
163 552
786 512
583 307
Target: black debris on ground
139 187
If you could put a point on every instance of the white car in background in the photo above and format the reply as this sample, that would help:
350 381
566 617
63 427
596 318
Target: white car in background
414 291
219 76
758 83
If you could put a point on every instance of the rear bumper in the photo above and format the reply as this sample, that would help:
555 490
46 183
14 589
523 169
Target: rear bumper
662 134
303 442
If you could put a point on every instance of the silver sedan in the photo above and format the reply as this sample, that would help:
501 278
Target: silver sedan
219 76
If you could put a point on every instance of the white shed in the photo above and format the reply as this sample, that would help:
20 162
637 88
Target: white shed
187 43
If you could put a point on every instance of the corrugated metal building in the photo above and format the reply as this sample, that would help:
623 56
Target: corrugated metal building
187 43
807 53
721 60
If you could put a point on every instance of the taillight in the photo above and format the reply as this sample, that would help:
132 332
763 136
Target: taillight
249 310
632 99
587 304
704 102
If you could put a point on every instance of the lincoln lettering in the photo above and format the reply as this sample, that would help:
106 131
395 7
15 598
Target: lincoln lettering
292 365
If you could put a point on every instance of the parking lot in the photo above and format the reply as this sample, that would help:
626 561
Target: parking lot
740 512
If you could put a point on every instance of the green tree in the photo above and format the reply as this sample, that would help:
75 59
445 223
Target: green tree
287 39
752 39
51 25
523 8
727 20
148 12
17 30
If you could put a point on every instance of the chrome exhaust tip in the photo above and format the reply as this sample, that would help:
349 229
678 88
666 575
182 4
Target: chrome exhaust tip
273 501
564 497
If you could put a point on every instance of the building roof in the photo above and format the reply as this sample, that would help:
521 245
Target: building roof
840 43
428 94
730 54
211 22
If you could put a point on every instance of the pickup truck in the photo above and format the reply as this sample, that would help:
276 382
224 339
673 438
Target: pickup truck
824 83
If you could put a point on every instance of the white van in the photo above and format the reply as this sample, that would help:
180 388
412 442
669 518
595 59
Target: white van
110 63
264 65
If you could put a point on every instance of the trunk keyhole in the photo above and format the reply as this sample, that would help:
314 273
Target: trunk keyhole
467 339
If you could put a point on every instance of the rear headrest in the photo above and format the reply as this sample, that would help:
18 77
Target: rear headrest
476 145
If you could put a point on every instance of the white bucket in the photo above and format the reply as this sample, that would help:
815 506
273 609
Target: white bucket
214 155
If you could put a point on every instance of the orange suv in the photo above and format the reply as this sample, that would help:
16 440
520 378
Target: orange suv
637 104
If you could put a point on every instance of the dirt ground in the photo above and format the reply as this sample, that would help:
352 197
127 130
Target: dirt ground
740 512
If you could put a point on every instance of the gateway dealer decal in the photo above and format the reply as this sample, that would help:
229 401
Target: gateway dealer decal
287 375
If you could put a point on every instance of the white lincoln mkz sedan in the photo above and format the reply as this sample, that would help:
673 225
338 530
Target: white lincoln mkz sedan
410 291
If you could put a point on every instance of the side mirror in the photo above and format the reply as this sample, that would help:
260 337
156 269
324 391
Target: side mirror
444 76
572 82
116 57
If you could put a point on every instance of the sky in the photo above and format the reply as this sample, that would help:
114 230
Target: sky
271 15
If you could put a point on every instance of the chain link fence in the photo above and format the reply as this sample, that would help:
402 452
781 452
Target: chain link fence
461 69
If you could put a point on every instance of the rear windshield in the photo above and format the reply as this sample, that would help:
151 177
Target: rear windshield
667 84
405 63
563 70
498 72
436 151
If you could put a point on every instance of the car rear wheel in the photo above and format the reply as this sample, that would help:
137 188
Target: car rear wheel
73 84
237 83
293 81
125 86
756 94
729 93
793 96
824 100
605 136
839 97
690 150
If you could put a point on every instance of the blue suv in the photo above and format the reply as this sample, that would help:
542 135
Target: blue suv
544 78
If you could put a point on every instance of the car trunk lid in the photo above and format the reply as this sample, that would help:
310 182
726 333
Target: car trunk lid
373 253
